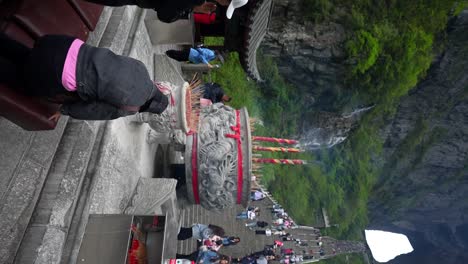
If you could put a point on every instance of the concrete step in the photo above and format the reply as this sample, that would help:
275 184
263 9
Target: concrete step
25 159
80 216
139 44
48 228
96 36
118 28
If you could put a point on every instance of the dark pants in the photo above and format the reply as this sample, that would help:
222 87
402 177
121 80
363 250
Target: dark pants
13 56
178 55
37 71
193 256
185 233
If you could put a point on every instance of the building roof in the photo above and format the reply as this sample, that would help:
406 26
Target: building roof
257 26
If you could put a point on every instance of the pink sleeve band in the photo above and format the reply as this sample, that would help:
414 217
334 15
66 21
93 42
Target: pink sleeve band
69 68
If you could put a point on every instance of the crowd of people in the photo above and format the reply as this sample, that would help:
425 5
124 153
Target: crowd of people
281 223
212 238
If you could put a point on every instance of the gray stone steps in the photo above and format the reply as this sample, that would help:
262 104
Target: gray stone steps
47 230
118 28
139 44
95 37
25 159
79 220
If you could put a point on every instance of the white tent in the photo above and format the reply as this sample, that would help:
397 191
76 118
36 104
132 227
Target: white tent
385 246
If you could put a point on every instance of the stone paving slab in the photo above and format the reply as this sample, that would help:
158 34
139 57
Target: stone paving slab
166 70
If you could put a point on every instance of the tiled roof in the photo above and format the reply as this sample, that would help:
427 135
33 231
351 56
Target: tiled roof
258 18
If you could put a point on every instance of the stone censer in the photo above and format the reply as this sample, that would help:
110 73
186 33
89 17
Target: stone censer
217 144
218 158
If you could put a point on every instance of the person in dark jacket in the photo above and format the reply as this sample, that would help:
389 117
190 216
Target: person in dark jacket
214 93
90 83
168 10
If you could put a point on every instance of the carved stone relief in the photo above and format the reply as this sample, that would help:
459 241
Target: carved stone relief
217 157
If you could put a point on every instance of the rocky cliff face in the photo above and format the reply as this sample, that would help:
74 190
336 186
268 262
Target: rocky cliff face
309 55
424 189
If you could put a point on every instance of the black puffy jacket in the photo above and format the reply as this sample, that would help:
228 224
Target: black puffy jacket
109 84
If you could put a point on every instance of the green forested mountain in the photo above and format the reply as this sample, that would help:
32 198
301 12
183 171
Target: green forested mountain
404 164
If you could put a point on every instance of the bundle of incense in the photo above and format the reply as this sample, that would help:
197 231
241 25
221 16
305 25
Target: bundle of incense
254 186
257 171
256 167
252 122
257 176
192 103
280 161
276 149
255 144
276 140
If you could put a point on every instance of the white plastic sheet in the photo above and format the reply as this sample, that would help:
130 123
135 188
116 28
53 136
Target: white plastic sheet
386 246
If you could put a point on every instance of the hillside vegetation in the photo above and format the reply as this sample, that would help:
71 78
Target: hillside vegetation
391 48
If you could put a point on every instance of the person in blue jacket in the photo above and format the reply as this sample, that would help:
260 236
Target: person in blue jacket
229 241
194 55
